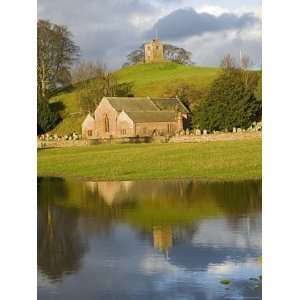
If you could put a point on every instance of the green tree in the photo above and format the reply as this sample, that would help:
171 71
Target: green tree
46 117
258 92
229 103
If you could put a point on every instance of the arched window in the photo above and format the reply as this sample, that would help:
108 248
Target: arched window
106 123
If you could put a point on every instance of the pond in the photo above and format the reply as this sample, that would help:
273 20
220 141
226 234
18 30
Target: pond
173 239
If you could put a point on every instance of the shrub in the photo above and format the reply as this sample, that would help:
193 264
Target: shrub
46 117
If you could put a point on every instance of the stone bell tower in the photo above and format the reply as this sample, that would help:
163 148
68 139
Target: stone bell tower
154 51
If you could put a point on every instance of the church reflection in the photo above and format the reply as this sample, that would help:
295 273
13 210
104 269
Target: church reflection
163 238
110 191
168 216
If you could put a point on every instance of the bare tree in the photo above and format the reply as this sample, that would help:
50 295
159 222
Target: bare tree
93 83
56 52
245 63
177 54
228 62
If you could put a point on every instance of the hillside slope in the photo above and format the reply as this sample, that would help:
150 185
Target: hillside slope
147 79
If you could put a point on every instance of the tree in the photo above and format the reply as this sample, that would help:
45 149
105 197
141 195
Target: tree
177 54
171 53
229 102
94 82
228 63
56 52
190 94
46 117
258 92
136 56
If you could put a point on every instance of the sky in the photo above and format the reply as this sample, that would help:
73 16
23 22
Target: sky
107 30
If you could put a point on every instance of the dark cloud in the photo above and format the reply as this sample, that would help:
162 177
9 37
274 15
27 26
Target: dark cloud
107 30
183 23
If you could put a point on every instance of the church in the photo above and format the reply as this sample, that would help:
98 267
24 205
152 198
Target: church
117 117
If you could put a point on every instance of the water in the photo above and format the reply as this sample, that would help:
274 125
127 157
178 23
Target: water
148 239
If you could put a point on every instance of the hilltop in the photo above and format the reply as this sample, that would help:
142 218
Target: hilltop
147 79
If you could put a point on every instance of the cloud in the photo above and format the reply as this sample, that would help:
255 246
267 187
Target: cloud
184 23
107 30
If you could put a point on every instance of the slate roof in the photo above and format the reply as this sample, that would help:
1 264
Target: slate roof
152 116
169 104
146 104
132 104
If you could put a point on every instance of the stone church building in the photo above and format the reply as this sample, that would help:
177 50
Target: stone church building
135 116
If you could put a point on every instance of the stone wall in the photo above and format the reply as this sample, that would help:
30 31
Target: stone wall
105 110
156 128
218 136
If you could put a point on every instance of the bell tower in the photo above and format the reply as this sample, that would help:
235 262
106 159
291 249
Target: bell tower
154 51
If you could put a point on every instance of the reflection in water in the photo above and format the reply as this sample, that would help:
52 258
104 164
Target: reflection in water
157 239
162 238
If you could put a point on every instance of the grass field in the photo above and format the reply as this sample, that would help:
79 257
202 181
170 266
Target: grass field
147 79
224 160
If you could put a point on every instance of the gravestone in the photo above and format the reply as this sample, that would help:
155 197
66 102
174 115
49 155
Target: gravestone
205 132
198 132
234 130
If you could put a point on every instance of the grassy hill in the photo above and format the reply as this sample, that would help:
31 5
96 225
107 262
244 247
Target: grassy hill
147 79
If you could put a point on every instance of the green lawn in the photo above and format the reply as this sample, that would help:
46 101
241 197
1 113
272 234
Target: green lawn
226 160
154 79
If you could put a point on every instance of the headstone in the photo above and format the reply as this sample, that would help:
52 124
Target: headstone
234 130
187 132
205 132
182 132
239 130
198 132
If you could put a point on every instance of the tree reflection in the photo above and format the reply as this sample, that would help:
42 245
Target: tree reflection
60 244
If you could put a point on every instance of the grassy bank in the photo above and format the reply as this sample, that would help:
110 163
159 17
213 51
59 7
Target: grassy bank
222 160
147 79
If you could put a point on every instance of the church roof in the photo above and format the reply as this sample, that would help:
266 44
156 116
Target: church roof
152 116
146 104
169 104
131 104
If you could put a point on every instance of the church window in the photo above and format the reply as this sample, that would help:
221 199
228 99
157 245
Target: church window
106 123
170 128
123 131
90 132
